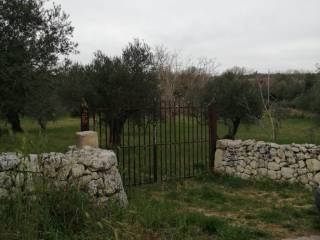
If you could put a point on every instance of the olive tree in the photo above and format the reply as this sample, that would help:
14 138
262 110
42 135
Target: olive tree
32 40
236 99
126 85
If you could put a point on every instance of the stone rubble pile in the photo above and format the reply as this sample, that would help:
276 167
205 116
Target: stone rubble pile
250 158
92 169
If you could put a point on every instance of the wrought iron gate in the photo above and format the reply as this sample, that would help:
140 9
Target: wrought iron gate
167 141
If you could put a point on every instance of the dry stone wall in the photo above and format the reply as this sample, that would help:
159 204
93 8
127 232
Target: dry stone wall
257 159
93 170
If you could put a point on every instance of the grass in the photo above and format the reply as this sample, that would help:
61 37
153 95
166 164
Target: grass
293 130
207 207
61 133
269 210
187 158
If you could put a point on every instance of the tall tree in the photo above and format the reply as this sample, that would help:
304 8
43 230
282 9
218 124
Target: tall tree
126 85
237 99
32 39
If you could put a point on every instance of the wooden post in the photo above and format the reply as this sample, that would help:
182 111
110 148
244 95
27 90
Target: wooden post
84 114
213 125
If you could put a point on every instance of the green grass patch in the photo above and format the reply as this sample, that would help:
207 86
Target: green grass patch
58 136
200 208
61 133
283 208
292 130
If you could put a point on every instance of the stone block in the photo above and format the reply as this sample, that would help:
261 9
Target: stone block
316 179
262 171
274 145
253 164
288 154
313 165
273 166
301 164
295 149
277 160
230 170
273 152
281 154
303 179
275 175
301 156
287 172
77 170
302 171
87 138
239 169
218 158
88 166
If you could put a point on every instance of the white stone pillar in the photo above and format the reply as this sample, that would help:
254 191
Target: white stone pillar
87 138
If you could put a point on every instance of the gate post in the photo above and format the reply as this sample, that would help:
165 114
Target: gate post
84 115
213 124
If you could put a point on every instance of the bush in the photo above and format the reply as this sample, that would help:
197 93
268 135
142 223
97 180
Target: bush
50 213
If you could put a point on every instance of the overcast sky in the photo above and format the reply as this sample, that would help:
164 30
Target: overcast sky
258 34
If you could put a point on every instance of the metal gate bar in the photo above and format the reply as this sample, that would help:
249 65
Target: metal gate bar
169 140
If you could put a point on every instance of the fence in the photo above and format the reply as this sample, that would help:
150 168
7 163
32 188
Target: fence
165 141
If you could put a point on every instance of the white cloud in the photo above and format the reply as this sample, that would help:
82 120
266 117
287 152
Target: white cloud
258 34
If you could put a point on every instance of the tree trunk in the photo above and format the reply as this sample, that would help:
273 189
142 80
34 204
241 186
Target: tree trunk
233 129
42 124
116 129
236 123
14 120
